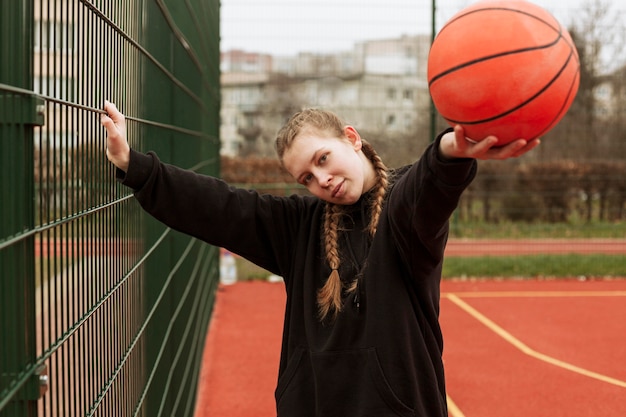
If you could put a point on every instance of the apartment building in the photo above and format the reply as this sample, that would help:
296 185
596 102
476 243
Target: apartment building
379 86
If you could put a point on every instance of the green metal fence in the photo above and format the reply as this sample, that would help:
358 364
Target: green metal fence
103 311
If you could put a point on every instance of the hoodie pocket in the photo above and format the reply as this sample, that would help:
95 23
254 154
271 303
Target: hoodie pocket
295 389
339 383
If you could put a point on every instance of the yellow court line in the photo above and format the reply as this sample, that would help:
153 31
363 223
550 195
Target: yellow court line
453 409
526 349
503 294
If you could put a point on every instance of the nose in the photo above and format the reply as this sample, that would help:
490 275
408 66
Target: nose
325 180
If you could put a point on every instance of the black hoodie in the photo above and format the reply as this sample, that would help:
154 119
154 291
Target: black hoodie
382 355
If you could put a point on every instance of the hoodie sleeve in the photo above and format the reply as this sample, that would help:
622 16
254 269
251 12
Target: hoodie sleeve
423 199
257 227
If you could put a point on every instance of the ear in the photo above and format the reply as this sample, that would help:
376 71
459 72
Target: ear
354 137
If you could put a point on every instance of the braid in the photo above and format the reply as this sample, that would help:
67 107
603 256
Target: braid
329 296
383 182
378 197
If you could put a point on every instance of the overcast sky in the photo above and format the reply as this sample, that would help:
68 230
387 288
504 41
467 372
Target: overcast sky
285 27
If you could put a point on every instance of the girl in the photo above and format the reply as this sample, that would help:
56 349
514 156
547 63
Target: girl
361 258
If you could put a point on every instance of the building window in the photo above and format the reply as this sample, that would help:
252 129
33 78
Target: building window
61 88
408 121
59 139
249 120
55 36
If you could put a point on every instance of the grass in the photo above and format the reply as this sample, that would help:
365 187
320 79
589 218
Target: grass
529 266
517 230
560 265
247 271
526 266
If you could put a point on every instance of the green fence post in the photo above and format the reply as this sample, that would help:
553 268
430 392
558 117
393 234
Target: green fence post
20 110
156 91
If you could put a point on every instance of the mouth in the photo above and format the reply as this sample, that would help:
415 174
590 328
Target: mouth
337 189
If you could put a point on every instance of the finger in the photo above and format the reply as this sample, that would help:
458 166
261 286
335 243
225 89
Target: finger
459 139
487 143
529 147
113 112
106 121
459 132
484 148
109 107
108 124
468 146
511 149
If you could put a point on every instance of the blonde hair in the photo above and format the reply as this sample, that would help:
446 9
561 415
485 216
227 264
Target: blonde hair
327 123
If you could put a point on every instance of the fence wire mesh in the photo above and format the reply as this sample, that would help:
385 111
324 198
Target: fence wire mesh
103 311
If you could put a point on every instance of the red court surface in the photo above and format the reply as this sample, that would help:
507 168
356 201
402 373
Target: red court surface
527 348
533 348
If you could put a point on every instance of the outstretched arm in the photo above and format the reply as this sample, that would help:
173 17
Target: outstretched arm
456 145
118 150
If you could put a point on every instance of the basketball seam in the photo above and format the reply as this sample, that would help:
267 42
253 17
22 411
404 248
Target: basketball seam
519 106
488 57
558 30
503 8
560 112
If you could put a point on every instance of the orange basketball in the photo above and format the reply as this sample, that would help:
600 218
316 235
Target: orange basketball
505 68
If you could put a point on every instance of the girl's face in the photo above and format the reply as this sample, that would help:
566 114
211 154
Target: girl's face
331 168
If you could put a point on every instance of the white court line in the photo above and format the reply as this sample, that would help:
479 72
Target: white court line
536 294
453 409
526 349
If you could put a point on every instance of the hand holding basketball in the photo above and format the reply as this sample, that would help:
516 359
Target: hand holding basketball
505 68
457 145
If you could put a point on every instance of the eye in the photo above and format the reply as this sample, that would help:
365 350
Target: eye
323 158
306 179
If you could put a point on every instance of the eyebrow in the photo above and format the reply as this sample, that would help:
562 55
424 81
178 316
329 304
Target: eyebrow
315 157
312 161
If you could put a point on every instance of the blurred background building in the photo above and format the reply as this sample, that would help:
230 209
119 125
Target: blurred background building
379 86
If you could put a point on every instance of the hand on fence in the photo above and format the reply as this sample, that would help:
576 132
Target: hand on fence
456 145
118 150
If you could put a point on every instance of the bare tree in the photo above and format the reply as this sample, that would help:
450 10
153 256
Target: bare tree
603 35
281 99
599 35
